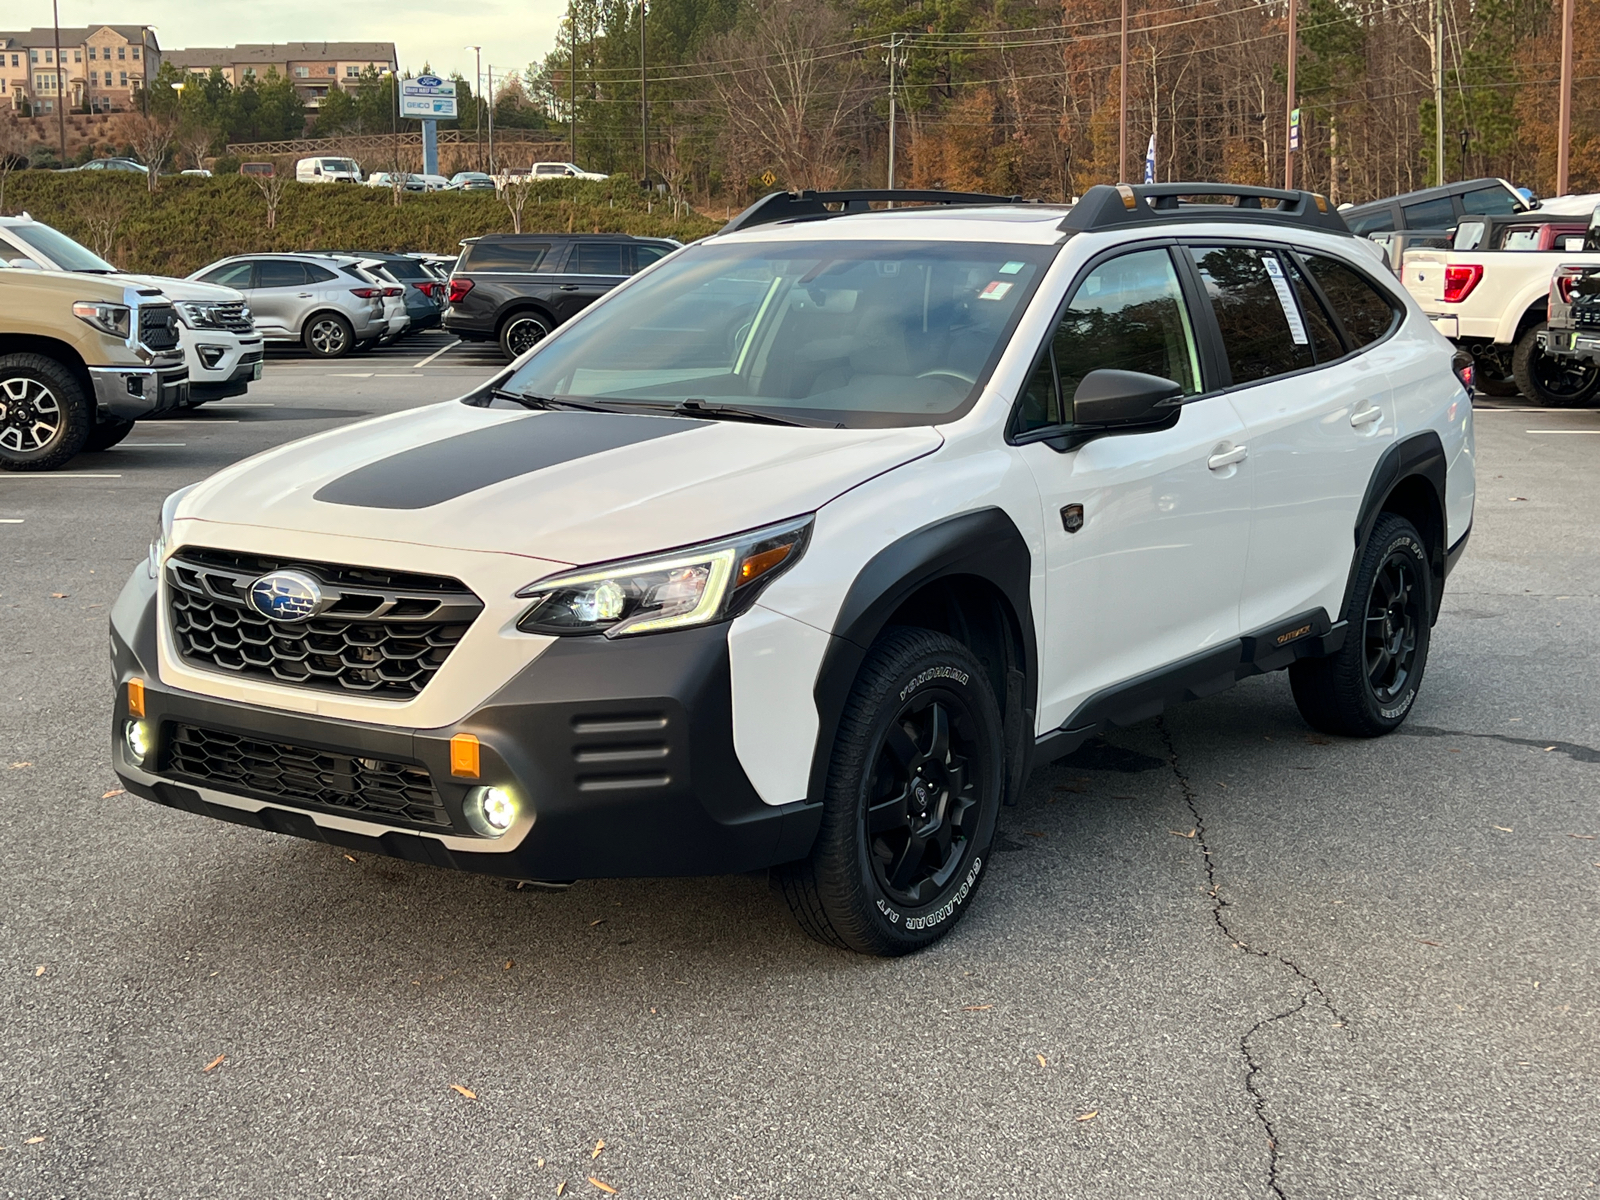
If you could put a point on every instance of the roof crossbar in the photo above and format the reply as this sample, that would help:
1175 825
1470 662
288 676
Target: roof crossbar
813 206
1123 206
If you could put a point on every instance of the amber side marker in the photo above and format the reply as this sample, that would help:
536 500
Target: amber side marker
464 756
136 698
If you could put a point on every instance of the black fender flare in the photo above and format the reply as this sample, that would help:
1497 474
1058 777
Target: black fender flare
1417 455
984 543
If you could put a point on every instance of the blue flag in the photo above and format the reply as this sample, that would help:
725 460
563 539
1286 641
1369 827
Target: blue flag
1150 161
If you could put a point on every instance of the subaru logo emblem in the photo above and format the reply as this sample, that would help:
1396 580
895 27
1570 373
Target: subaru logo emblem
286 596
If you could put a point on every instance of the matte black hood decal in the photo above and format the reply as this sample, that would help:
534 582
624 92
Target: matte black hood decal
427 475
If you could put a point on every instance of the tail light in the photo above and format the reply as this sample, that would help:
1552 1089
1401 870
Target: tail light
394 291
1459 282
459 289
1565 279
366 293
425 288
1466 369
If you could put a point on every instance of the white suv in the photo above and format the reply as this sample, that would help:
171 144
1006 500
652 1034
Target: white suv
797 548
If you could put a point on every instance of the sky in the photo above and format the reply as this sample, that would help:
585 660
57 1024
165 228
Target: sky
512 33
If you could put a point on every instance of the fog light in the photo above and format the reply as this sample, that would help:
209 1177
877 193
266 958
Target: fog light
137 736
490 811
212 355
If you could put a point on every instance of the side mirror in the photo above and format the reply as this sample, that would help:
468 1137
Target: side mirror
1110 398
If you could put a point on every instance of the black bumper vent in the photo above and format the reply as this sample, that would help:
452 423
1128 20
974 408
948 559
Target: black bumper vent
382 634
371 789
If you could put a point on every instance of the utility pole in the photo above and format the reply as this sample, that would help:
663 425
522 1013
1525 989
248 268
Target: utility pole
61 78
1438 91
897 63
644 96
477 101
1289 96
1563 157
488 101
572 32
1122 102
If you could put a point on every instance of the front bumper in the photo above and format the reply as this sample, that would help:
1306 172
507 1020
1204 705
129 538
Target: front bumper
1564 343
619 754
133 392
246 370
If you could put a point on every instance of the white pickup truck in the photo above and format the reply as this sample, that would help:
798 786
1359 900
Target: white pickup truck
1488 294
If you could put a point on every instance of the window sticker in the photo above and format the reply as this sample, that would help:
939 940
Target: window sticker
1011 268
1291 311
995 290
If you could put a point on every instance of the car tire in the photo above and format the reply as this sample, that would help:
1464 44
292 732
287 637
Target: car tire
45 416
106 434
913 793
1545 379
327 335
521 332
1368 686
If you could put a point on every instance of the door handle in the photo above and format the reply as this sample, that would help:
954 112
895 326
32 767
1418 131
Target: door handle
1223 459
1366 416
303 296
569 287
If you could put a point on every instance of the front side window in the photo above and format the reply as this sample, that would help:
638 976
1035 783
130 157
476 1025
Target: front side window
278 273
863 334
1260 322
1430 214
1127 314
1364 311
235 275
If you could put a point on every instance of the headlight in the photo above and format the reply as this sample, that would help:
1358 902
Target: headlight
693 586
196 316
158 547
107 318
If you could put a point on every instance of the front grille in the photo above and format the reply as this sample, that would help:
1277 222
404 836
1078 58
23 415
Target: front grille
374 789
158 326
233 315
376 633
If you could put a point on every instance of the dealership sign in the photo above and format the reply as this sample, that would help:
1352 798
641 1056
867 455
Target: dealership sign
429 98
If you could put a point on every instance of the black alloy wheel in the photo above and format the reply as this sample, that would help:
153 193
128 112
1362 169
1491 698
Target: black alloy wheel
913 794
1553 380
1367 686
522 332
45 414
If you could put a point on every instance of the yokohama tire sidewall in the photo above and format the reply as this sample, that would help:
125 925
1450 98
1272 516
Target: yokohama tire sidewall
1403 539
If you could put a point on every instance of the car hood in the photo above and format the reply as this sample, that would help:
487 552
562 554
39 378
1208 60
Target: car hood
185 289
563 486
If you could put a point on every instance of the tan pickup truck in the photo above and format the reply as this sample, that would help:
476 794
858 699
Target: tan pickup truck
81 358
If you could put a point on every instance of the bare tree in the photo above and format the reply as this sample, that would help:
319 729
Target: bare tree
272 187
196 141
514 190
151 137
102 215
13 149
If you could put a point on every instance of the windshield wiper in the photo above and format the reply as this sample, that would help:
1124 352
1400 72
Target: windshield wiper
729 412
529 400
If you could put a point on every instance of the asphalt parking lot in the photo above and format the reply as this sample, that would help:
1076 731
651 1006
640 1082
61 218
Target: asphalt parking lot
1219 955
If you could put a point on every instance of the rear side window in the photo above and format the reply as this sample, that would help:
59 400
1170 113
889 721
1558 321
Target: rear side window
1430 214
233 275
503 256
1128 314
1366 313
1323 338
277 273
1381 221
1490 201
1261 326
318 274
599 258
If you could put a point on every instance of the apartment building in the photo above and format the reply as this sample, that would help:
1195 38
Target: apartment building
102 67
315 67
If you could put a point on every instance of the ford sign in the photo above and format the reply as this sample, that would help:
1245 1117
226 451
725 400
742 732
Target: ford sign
286 596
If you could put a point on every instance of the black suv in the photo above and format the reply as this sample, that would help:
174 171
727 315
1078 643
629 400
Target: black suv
517 287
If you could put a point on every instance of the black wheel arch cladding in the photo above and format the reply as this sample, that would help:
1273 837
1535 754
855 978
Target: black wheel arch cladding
966 575
1409 480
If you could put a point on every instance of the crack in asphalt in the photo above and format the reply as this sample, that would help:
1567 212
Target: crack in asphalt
1573 750
1312 989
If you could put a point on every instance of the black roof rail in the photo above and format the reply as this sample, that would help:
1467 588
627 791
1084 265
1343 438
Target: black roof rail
812 206
1123 205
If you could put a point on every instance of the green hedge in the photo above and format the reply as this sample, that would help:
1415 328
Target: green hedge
191 221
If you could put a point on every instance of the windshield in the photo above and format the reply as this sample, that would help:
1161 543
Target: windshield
59 248
856 333
339 164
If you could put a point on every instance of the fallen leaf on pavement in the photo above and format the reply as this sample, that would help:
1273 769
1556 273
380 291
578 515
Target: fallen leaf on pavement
598 1146
1514 499
1547 749
33 1141
601 921
561 1187
1582 837
1424 942
38 973
113 792
20 765
541 1162
1088 1116
467 1092
509 965
350 858
1503 828
964 1008
1041 1059
1034 832
604 1187
1180 833
60 595
214 1064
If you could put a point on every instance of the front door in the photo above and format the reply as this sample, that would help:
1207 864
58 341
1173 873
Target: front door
281 295
1145 532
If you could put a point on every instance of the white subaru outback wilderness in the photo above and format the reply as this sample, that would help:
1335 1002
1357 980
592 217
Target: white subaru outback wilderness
796 549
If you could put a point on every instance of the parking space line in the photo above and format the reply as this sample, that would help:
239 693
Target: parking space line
198 420
247 404
438 352
148 445
11 520
349 374
1561 431
63 475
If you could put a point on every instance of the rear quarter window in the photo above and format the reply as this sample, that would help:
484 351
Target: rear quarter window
503 256
1366 312
1430 214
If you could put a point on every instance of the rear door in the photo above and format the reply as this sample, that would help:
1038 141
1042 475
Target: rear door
279 295
595 267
